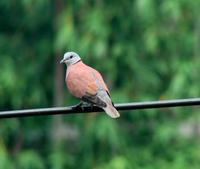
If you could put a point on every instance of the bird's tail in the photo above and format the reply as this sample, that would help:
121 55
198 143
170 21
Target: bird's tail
111 111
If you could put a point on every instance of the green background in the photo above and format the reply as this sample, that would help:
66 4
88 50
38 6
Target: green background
145 49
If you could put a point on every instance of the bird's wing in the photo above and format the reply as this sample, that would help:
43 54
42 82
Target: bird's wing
103 100
92 90
94 86
98 94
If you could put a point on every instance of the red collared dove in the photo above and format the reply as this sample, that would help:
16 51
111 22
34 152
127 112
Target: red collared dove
86 83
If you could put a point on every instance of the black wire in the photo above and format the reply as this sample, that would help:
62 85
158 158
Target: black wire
89 109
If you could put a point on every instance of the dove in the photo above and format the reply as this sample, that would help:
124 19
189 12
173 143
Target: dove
87 84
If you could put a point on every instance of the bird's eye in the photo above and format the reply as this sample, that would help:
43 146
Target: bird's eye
71 56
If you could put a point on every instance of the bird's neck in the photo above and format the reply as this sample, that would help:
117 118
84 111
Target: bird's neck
72 62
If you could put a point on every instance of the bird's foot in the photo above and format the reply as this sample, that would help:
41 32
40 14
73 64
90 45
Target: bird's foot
79 105
83 104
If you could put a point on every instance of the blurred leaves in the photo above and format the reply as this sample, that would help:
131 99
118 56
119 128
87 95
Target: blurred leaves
5 160
29 160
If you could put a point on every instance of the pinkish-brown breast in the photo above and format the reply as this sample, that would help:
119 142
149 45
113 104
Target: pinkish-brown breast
82 78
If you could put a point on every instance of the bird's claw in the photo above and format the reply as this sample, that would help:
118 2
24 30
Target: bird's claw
79 105
82 105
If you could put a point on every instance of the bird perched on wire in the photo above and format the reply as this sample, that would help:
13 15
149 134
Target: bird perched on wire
86 83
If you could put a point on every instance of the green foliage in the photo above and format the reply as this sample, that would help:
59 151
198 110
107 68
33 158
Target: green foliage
145 49
5 160
29 160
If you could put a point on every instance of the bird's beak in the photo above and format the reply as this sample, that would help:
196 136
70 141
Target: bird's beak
62 61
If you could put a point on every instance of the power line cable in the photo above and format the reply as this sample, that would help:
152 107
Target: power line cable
90 109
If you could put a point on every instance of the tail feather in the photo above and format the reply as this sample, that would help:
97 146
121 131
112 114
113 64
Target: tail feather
111 111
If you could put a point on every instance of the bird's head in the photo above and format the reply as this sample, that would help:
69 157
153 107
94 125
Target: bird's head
70 58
